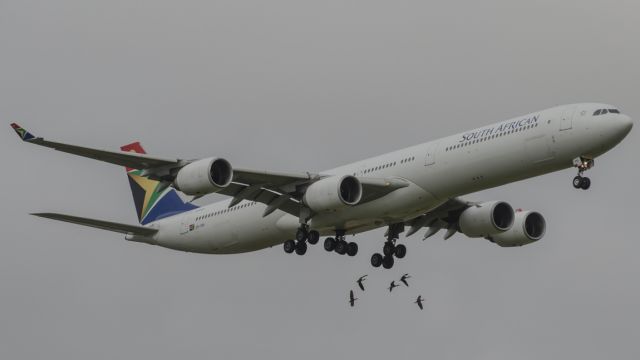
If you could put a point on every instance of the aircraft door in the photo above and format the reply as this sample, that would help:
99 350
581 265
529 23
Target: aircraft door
431 154
566 121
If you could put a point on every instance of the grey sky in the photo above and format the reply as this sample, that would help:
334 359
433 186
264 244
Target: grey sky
307 85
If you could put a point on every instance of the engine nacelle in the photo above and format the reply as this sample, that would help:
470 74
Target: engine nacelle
333 193
486 219
528 227
204 176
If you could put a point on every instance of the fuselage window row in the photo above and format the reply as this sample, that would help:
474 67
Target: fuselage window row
387 165
216 213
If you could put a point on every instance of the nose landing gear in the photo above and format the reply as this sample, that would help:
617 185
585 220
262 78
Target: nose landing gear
583 164
390 248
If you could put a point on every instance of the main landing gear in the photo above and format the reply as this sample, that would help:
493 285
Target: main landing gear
390 249
303 236
583 164
340 245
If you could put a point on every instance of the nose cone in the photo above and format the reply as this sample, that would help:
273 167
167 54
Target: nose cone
625 124
617 128
622 124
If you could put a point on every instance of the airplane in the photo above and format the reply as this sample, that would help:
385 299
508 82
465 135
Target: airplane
417 187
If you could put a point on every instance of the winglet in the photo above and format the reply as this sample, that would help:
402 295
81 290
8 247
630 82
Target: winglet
24 134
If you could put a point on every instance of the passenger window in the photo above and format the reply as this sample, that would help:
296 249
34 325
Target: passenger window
614 111
604 111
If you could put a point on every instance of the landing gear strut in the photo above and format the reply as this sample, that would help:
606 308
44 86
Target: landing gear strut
390 248
303 236
340 245
583 164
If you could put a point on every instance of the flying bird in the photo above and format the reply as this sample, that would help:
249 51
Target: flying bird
419 301
352 300
404 279
392 285
360 281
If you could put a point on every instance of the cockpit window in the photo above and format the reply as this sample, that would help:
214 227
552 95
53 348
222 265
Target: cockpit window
606 111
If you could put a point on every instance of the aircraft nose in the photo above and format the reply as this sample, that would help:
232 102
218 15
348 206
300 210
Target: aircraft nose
623 124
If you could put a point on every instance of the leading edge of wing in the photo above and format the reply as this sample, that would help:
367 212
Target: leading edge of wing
100 224
127 159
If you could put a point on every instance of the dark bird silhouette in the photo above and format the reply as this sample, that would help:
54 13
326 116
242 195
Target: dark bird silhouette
404 279
352 300
392 285
360 280
419 301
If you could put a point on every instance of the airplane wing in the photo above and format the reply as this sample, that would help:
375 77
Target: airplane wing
100 224
128 159
278 190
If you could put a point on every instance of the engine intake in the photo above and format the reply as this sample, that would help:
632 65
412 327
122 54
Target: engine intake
333 193
204 176
486 219
529 226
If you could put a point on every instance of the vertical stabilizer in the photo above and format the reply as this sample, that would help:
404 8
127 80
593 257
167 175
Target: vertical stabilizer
152 200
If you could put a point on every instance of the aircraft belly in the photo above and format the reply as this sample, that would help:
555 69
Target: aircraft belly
234 234
396 206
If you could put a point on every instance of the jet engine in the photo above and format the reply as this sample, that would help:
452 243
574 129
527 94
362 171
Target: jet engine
333 193
204 176
486 218
528 227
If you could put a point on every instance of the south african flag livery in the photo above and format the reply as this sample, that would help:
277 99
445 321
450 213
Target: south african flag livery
152 200
24 134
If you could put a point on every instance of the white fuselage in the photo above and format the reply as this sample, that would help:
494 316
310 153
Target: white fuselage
497 154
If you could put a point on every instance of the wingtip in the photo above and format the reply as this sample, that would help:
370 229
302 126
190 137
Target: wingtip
22 133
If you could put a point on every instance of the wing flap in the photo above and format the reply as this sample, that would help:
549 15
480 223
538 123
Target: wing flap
271 178
100 224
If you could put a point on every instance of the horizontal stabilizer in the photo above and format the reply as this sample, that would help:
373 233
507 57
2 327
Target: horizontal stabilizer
100 224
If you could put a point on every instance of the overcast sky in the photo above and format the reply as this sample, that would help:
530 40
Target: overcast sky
305 86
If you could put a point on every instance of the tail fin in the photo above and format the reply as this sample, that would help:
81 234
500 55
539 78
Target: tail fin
153 201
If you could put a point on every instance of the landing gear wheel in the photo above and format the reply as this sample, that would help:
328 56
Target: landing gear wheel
401 251
388 249
376 260
289 246
387 262
586 183
329 244
313 237
341 247
301 234
352 249
301 248
577 182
